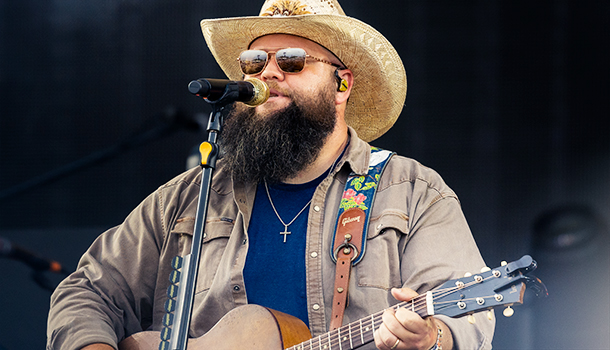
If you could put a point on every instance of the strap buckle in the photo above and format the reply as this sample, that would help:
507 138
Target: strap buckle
347 249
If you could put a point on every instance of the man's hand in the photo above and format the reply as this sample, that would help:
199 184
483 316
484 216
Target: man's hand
405 330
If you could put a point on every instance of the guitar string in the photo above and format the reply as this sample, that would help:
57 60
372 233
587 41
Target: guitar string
376 318
364 326
419 303
364 329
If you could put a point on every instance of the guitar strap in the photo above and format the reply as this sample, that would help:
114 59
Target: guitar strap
350 232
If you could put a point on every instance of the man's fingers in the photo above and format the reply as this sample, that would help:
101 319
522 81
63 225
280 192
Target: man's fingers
385 341
385 338
403 294
411 321
394 325
406 326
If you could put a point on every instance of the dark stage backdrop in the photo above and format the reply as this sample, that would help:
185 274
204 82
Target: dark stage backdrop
508 100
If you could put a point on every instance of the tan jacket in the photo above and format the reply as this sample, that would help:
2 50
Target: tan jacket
417 237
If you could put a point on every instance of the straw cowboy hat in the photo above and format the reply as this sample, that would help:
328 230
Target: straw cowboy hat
380 81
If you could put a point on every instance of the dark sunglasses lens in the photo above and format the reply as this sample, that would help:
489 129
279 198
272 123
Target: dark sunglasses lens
291 60
252 61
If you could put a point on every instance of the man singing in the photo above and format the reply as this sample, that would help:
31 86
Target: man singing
291 167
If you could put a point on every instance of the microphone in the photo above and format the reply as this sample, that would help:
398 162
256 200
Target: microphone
251 91
12 251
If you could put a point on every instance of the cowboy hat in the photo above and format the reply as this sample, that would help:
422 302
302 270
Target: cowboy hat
380 81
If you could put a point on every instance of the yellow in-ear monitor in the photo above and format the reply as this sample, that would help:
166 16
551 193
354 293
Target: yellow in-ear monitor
343 85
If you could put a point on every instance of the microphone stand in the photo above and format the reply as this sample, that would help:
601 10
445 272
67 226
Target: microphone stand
38 264
181 292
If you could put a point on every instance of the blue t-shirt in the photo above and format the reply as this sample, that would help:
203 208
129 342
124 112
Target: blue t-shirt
274 273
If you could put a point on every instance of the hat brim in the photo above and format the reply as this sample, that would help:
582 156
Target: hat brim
380 81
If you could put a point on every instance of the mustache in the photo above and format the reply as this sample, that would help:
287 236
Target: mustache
275 86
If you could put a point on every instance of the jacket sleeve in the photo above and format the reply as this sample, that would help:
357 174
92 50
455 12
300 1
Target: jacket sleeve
110 294
441 247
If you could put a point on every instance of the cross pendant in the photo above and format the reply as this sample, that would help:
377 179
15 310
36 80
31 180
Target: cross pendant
286 232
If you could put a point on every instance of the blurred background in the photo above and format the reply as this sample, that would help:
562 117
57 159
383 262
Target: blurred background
507 100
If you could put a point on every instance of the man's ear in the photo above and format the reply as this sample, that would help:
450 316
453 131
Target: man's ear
345 81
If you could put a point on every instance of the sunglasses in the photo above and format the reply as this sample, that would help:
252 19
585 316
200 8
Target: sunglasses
290 60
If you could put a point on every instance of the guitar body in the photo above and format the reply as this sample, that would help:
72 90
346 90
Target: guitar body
246 327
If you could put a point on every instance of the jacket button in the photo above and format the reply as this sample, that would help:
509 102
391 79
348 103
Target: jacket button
316 307
316 208
236 288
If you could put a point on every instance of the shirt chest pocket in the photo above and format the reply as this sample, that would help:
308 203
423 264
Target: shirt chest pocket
380 267
213 245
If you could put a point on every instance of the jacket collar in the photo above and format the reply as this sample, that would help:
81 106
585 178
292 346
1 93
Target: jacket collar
357 154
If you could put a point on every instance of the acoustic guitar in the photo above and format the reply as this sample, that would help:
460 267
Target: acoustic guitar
258 328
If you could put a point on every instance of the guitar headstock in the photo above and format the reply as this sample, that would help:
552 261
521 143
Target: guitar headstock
504 285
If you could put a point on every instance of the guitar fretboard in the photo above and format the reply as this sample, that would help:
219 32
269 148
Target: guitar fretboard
357 333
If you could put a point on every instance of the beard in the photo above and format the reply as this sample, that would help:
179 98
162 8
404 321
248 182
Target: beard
281 144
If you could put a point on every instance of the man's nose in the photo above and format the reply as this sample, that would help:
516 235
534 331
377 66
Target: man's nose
271 70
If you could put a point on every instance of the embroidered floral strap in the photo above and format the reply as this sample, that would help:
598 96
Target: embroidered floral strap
359 193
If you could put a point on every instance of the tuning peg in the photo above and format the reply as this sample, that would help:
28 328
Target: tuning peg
508 312
485 269
467 274
490 315
503 263
471 319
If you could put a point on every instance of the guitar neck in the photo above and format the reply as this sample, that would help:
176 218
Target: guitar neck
360 332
